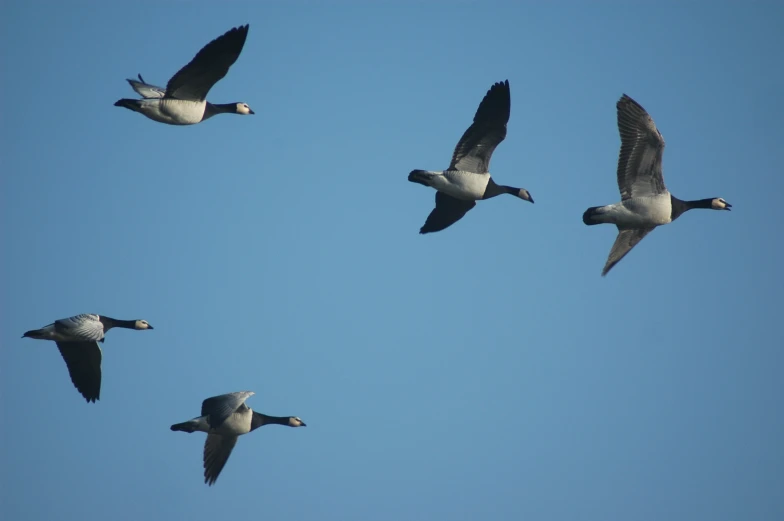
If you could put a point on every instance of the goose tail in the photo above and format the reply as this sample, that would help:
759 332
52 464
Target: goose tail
422 177
130 104
184 426
591 216
35 333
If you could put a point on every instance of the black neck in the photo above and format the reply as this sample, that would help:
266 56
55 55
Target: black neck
259 420
679 206
224 107
109 322
494 189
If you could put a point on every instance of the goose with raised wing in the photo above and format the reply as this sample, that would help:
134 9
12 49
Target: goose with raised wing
645 201
77 339
468 179
184 100
225 418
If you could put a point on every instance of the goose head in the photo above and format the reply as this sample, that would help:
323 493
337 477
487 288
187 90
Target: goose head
717 203
525 195
243 108
142 324
294 421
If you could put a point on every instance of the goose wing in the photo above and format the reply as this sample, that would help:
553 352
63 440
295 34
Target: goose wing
626 240
209 66
217 450
145 90
83 360
642 147
447 212
473 151
85 327
219 408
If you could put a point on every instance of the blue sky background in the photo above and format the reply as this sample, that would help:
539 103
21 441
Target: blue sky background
487 371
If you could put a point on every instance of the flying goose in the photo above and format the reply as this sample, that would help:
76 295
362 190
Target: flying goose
645 201
467 179
184 100
77 339
224 418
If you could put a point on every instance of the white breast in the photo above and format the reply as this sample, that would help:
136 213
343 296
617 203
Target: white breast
647 211
462 185
176 112
236 424
639 212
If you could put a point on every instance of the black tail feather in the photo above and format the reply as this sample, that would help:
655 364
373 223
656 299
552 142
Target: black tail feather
588 216
184 427
419 176
130 104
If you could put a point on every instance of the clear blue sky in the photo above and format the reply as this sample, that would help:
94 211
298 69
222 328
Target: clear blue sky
487 371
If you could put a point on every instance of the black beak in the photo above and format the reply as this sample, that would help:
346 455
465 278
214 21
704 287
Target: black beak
530 198
149 326
250 111
303 424
727 206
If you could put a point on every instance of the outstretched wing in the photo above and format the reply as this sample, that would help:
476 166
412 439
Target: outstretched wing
219 408
145 90
642 147
474 149
217 450
83 360
209 66
448 211
626 240
84 327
